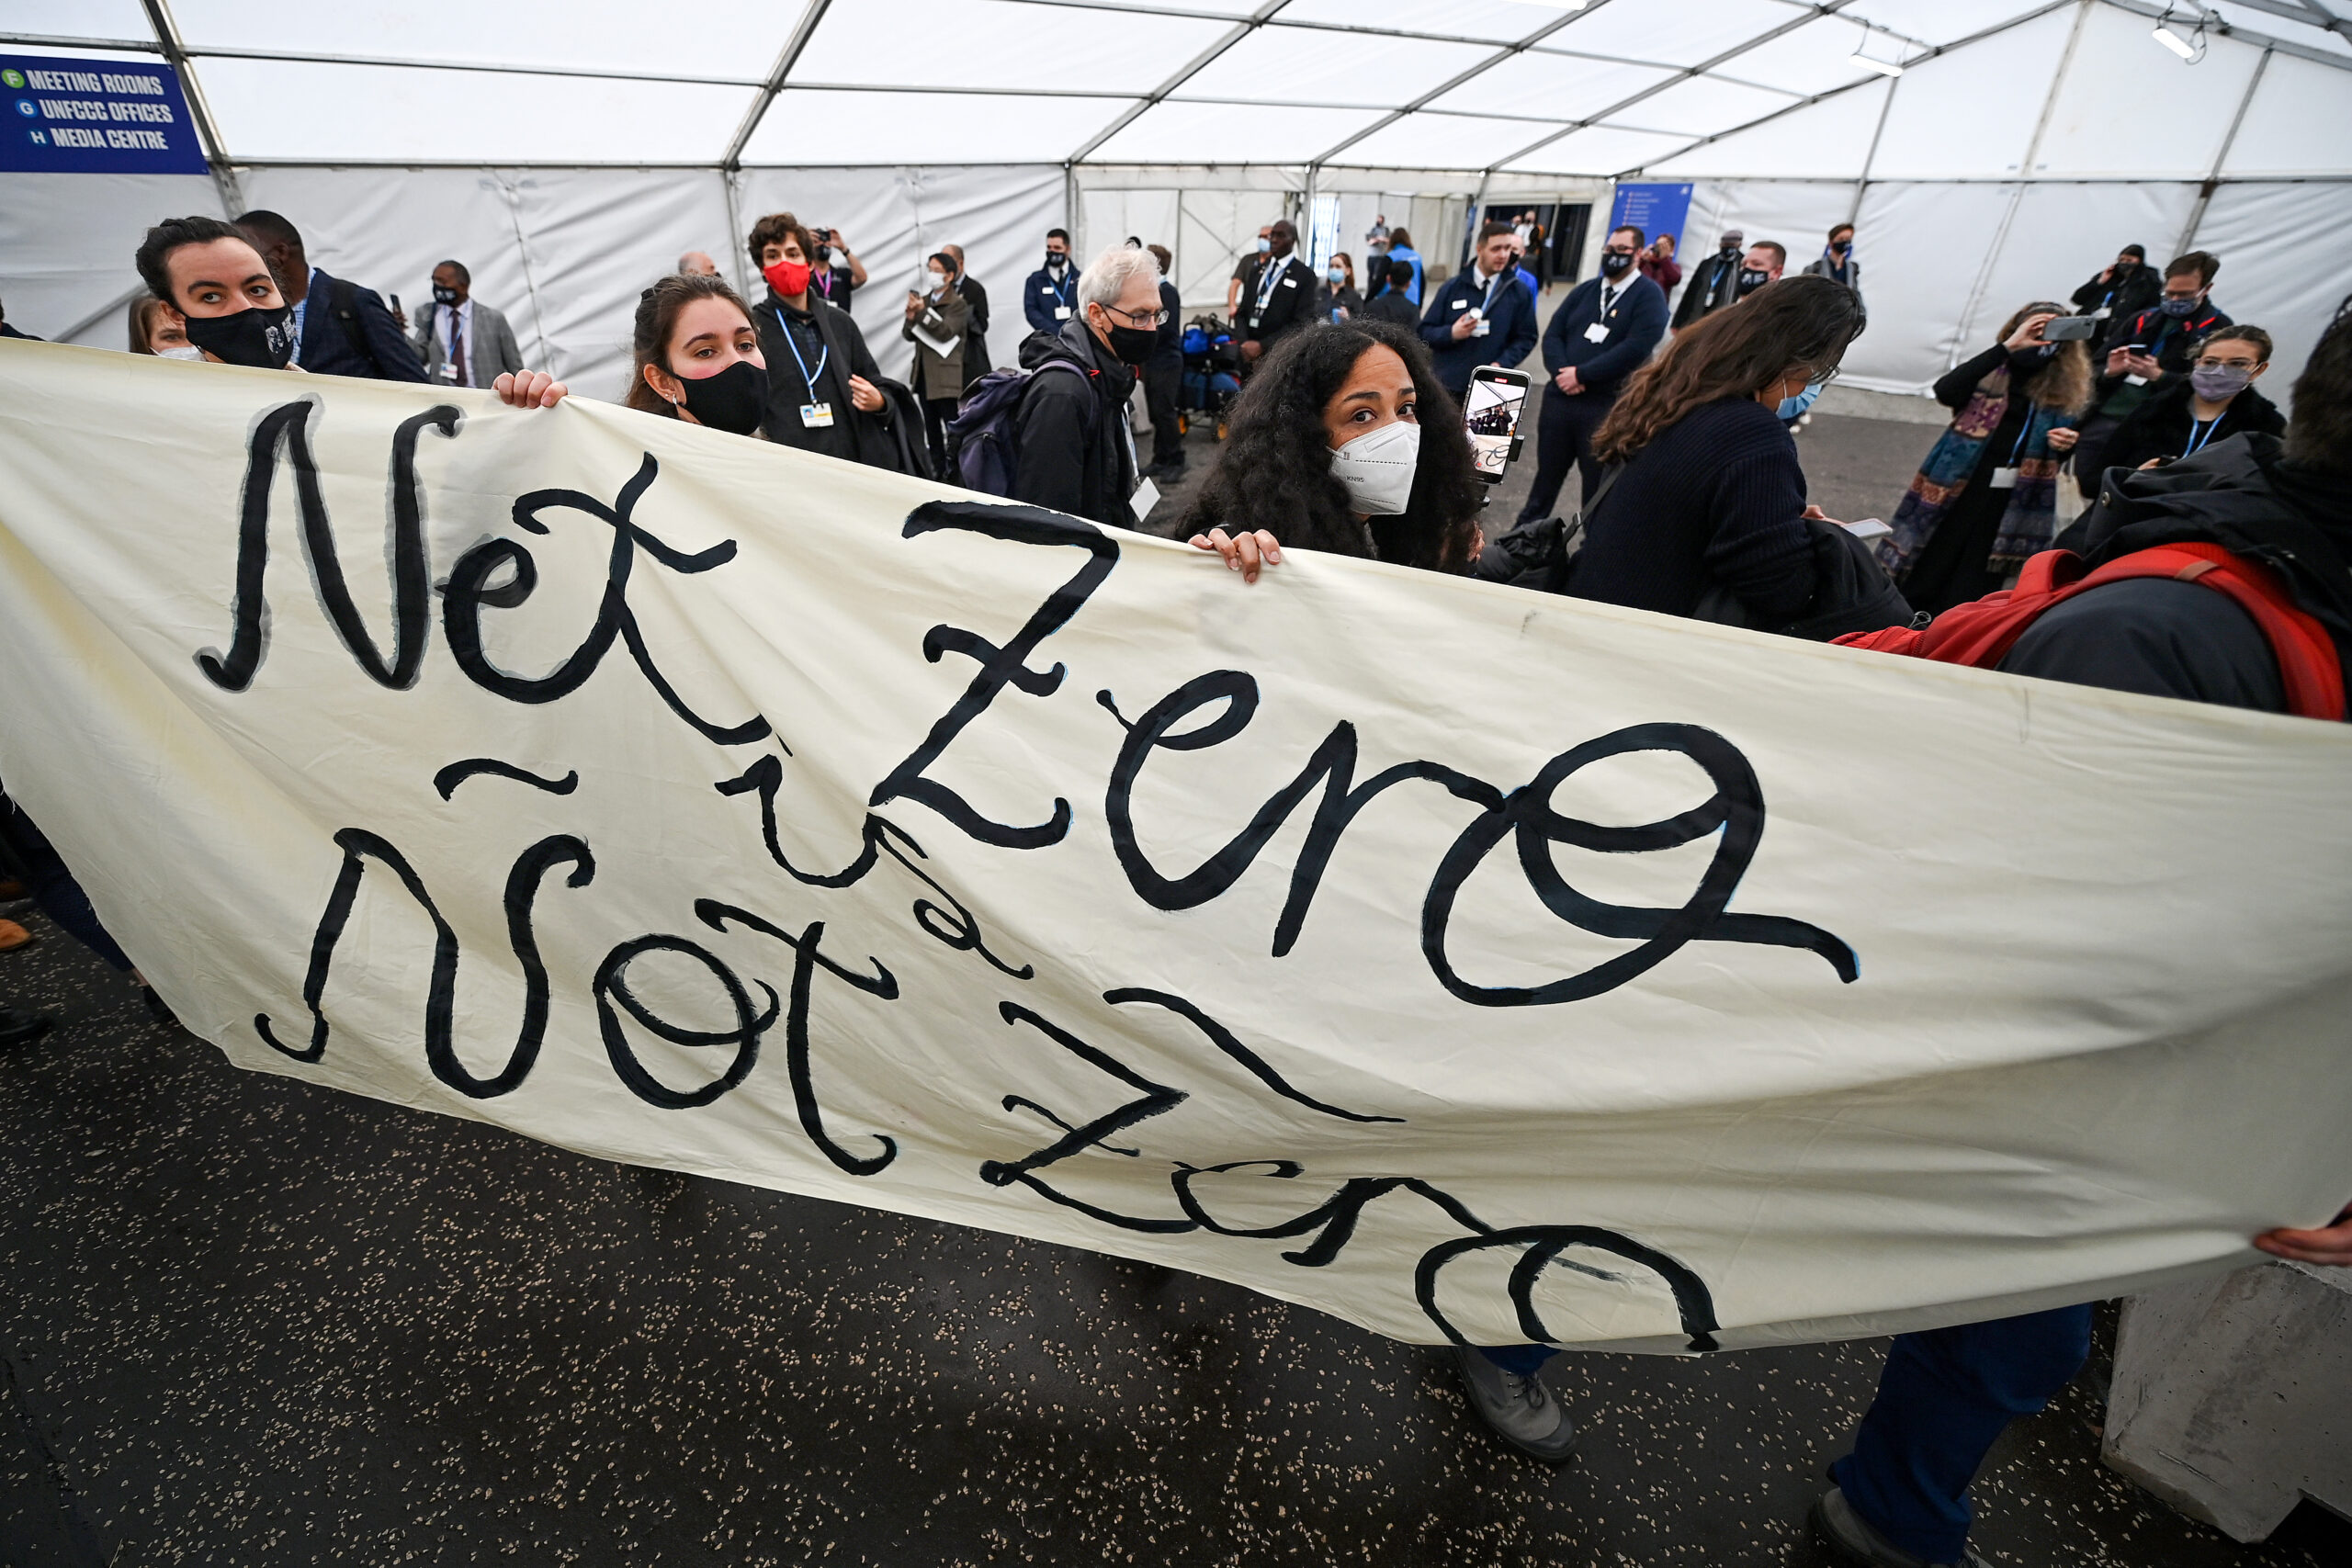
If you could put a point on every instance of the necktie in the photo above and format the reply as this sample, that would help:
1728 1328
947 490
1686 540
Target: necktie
458 350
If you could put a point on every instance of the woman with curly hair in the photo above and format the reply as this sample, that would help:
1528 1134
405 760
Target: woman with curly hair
1987 496
1329 446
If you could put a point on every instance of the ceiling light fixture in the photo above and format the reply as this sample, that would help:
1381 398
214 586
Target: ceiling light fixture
2190 49
1861 55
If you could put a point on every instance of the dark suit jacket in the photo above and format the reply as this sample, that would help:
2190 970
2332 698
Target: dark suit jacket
1510 331
1636 323
327 348
1290 302
854 435
975 348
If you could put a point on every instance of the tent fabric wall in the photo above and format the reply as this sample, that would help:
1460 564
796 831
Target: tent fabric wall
2283 247
564 253
2056 237
1945 263
66 242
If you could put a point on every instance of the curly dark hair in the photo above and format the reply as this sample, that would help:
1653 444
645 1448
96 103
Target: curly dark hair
1274 472
773 230
2319 430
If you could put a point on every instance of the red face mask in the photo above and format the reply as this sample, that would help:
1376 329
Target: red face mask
788 279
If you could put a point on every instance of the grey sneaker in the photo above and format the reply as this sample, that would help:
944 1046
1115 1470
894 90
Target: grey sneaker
1523 1411
1852 1541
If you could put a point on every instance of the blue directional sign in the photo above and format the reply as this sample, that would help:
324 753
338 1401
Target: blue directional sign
1654 210
95 117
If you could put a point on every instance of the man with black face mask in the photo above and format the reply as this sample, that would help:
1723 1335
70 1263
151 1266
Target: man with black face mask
1763 264
211 276
340 329
463 342
1714 283
1601 334
2121 291
1076 453
1050 296
2142 351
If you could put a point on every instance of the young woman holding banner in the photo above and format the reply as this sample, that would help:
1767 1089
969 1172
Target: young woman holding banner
1329 444
695 357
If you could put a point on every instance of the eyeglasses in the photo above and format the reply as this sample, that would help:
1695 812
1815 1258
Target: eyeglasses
2210 363
1138 317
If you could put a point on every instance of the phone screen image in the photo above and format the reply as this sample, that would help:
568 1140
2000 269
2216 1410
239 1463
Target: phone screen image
1491 416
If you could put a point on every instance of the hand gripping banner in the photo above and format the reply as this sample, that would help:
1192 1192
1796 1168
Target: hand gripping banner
1471 963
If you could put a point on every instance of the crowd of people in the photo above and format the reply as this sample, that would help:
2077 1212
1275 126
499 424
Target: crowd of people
1346 436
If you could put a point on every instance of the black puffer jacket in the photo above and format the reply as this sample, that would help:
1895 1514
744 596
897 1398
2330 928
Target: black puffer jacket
2121 296
1074 453
2241 494
2165 425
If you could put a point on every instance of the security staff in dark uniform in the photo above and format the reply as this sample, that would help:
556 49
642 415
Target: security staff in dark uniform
1602 332
1050 296
1713 283
1278 296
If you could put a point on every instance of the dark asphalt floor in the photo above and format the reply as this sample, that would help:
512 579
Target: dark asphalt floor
250 1322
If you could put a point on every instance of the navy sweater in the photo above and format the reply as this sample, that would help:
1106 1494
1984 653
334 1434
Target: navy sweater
1718 497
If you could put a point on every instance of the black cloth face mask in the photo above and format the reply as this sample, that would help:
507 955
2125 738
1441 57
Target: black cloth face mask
1615 264
258 336
1133 345
444 295
1751 278
734 401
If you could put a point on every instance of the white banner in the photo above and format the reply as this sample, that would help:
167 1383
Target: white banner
1461 961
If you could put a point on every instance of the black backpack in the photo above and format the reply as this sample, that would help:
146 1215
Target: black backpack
1855 595
1541 554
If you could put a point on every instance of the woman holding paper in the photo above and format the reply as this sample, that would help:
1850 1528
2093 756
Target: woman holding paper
938 322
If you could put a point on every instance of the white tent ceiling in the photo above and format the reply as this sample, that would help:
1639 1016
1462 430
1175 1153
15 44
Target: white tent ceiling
1582 87
569 149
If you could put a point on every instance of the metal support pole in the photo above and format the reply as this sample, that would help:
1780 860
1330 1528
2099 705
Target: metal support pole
216 153
2228 140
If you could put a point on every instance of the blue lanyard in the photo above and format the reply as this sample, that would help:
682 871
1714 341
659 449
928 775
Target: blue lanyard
825 353
2197 441
1060 291
2023 437
1269 275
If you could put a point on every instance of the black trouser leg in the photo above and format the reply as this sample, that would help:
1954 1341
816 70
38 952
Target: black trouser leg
1161 380
1564 435
936 413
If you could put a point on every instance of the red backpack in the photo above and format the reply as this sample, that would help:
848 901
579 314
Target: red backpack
1981 633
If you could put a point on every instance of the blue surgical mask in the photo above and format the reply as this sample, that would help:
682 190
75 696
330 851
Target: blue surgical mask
1337 275
1794 409
1265 245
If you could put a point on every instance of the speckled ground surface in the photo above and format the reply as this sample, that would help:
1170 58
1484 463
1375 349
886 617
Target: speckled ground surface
248 1321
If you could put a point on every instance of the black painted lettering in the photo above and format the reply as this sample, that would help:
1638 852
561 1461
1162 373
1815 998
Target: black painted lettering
1000 667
